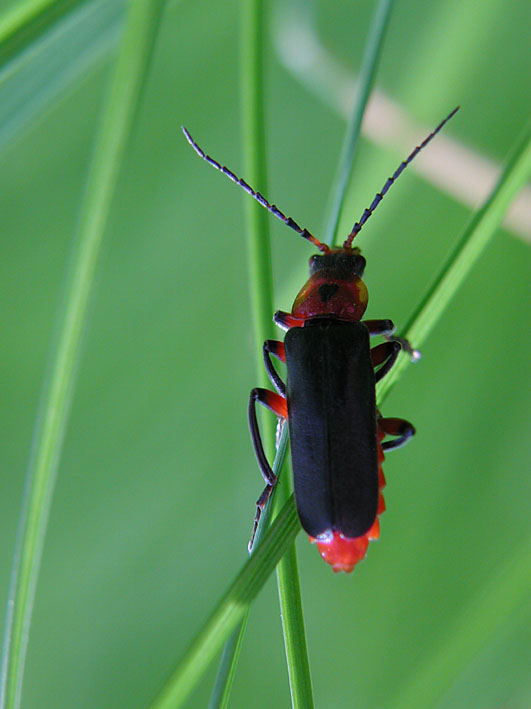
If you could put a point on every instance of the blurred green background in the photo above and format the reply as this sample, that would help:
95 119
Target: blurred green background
157 481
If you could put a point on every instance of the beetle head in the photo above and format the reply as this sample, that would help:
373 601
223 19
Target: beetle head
348 261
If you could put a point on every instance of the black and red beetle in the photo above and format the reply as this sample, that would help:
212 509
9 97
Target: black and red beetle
336 431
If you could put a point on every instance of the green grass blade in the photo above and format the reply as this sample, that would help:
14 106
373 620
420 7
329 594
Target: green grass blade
504 597
259 267
470 247
292 614
219 698
26 23
294 633
227 667
122 101
261 280
230 609
367 73
261 284
255 167
74 46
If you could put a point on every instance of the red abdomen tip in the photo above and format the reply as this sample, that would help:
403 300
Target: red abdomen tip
343 553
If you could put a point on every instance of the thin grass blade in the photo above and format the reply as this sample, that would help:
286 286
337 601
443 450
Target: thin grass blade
475 239
219 698
261 280
259 267
74 45
294 632
261 283
365 82
231 652
25 23
230 609
122 101
504 597
255 166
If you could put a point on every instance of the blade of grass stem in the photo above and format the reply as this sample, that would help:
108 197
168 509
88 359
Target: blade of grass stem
27 22
488 218
257 219
74 46
369 66
261 280
504 596
122 101
475 239
230 609
261 283
259 267
225 674
219 699
293 622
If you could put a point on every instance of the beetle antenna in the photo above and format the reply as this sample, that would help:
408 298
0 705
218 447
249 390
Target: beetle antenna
257 196
380 195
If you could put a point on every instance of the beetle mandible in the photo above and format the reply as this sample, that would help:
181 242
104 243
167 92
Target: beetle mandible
336 430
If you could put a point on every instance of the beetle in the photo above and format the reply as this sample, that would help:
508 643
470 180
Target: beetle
336 430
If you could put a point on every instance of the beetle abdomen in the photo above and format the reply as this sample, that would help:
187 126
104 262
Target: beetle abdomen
332 421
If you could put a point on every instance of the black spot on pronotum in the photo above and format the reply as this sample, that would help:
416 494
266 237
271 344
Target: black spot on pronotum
327 290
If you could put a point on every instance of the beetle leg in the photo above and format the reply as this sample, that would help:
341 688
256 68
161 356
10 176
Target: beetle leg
385 354
406 346
279 406
386 328
276 348
396 427
286 320
379 327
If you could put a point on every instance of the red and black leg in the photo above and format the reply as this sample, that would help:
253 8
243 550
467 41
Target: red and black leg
279 406
406 346
276 348
403 430
379 327
386 329
384 354
286 320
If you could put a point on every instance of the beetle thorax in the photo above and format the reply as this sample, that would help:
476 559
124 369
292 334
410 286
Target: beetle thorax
334 288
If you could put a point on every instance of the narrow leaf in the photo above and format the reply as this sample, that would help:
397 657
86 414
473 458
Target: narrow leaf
261 283
504 596
123 97
26 23
231 652
253 24
230 609
475 239
369 66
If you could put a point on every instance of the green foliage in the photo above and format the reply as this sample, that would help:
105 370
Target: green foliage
157 481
